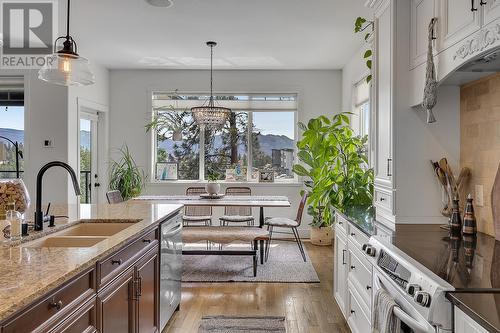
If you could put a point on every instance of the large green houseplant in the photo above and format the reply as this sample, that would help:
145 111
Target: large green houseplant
334 162
126 176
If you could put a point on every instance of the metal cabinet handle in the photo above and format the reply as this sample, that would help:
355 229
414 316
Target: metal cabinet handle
116 262
472 9
343 257
341 223
368 287
353 267
382 199
389 161
353 312
146 241
482 3
56 305
353 234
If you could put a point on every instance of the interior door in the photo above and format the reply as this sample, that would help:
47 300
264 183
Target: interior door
89 177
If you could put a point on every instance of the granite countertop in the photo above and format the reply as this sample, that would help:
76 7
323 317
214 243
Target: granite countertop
28 273
362 218
484 308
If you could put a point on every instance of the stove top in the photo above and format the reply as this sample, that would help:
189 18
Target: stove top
463 262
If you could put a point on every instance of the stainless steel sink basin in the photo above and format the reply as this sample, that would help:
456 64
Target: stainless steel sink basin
65 241
94 229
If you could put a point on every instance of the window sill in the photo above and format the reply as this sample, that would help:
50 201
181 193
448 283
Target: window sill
292 183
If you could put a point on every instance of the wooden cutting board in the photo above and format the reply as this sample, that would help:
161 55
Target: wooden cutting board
495 204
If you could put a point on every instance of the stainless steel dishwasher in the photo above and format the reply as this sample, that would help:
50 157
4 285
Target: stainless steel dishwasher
170 267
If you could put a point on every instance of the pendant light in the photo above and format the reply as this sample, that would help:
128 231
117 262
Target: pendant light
65 67
211 115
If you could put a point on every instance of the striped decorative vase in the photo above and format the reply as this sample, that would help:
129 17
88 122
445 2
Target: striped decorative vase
469 225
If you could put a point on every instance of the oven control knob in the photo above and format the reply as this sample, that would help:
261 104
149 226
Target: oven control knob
370 250
411 289
364 247
422 298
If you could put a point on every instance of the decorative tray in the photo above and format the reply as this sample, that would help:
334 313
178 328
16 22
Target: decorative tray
212 196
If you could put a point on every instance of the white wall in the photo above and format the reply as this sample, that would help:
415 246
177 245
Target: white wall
50 113
319 93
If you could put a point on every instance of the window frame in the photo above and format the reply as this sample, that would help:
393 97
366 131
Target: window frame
356 105
153 144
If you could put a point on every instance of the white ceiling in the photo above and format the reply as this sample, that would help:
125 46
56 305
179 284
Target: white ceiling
258 34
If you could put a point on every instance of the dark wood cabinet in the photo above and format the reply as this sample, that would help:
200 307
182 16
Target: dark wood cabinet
148 293
116 305
119 294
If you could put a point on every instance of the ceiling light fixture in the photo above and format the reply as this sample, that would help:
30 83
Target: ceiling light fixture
160 3
211 115
64 66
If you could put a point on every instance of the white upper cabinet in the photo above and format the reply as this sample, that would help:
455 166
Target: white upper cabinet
383 91
458 20
491 10
422 11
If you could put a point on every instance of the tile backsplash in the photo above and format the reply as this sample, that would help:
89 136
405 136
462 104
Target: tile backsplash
480 142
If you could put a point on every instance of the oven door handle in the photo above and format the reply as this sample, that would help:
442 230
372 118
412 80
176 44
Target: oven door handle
403 316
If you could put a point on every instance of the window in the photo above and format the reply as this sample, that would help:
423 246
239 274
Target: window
11 126
259 136
361 121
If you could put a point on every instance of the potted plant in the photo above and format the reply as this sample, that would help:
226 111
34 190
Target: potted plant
335 164
212 188
126 176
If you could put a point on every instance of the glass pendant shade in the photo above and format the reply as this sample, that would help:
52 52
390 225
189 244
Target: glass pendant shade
66 70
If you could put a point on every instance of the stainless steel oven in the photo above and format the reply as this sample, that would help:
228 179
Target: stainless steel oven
170 267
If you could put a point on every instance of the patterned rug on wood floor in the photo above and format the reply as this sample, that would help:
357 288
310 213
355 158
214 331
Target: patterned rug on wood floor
238 324
285 264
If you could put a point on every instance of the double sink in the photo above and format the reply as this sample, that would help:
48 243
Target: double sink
80 235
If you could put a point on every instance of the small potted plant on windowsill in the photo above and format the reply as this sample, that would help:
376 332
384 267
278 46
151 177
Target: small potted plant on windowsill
213 187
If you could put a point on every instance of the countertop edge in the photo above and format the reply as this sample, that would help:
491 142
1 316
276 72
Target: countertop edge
471 313
26 301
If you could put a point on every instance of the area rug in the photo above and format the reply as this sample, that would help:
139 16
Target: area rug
285 264
238 324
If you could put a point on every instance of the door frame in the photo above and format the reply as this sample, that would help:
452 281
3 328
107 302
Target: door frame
89 107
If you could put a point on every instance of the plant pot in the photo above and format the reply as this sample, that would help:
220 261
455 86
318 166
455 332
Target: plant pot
212 188
321 236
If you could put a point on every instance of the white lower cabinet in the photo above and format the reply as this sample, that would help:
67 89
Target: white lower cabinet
352 276
340 268
358 319
465 324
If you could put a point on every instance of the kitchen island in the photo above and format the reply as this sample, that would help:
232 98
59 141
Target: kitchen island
41 283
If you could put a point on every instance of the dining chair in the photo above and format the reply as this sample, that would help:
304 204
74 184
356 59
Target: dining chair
114 197
237 214
197 214
283 222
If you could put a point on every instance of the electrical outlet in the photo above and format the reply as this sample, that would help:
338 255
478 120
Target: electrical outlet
48 143
478 197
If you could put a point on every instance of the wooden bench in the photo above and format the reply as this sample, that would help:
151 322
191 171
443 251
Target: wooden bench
226 235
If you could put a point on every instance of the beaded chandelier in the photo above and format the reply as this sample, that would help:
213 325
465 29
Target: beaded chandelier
210 115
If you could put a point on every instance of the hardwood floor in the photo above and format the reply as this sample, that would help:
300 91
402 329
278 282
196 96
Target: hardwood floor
308 307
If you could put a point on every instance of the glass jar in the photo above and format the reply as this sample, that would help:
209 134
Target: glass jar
14 190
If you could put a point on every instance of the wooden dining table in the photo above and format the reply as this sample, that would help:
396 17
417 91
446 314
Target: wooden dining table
260 201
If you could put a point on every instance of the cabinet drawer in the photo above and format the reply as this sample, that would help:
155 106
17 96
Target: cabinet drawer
356 237
360 274
358 320
83 320
341 223
383 199
52 308
119 261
